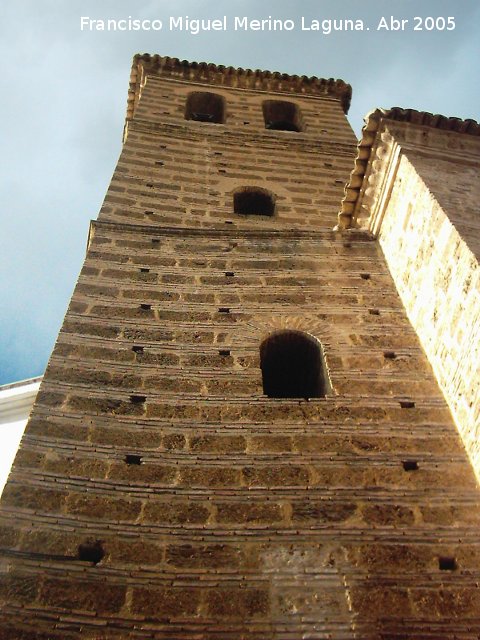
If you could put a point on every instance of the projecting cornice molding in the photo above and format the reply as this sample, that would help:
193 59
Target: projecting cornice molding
208 73
376 151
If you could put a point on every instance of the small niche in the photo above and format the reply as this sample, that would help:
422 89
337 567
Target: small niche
144 270
365 276
374 312
224 352
159 163
223 310
149 185
155 240
389 355
228 222
407 404
447 563
253 201
137 399
229 274
133 458
149 213
137 349
146 307
410 465
91 551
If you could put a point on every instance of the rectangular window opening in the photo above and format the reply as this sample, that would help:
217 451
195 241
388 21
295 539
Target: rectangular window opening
135 399
223 310
224 352
407 404
410 465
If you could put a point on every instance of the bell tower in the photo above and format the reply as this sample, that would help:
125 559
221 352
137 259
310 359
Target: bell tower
238 434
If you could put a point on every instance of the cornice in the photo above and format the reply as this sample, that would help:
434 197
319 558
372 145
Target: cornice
208 73
374 148
212 232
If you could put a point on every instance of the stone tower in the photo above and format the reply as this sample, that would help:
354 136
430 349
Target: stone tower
238 434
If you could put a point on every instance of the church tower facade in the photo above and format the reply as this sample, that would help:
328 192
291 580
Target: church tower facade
238 434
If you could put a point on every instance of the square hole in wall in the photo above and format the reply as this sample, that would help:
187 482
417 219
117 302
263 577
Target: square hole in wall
365 276
374 312
144 270
155 240
135 399
407 404
223 310
389 355
229 274
149 213
410 465
133 458
137 349
447 563
146 307
91 551
228 222
224 352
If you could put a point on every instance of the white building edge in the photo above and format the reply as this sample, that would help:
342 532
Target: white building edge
16 402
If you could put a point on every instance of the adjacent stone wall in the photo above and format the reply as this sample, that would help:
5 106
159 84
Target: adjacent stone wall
350 516
430 234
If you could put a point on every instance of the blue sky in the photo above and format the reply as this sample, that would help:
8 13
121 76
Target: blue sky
63 107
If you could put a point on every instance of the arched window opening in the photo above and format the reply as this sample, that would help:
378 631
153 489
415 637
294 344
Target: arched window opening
253 201
280 115
204 106
293 366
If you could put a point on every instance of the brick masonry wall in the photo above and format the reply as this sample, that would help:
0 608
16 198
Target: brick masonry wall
249 517
430 235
